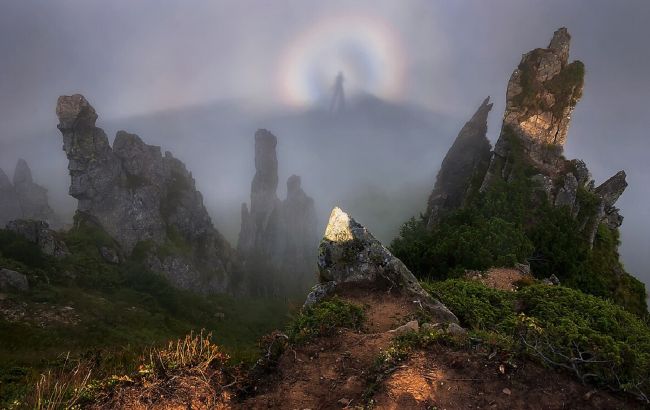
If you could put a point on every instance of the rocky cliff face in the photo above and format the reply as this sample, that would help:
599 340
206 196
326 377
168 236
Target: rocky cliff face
467 159
277 238
144 199
24 199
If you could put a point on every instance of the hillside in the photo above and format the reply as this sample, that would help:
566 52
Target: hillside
370 337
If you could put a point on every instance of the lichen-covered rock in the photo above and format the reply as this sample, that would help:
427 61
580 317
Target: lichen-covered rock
349 254
9 204
277 239
467 157
32 197
39 233
137 195
12 280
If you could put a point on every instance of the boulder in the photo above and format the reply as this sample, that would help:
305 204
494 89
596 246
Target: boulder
110 255
409 327
349 254
12 280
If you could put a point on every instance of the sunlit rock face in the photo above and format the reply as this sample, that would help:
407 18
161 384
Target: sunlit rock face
141 197
278 238
9 204
543 91
468 157
350 254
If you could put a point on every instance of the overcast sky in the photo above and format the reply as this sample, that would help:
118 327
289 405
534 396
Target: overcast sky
136 57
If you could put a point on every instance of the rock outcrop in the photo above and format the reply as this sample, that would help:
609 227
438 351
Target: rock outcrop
143 198
9 203
467 158
543 91
278 238
542 94
39 233
32 197
349 254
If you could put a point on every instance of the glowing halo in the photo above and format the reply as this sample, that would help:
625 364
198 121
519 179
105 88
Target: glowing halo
367 51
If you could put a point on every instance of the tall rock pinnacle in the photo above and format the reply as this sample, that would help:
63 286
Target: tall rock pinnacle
138 195
542 93
32 197
468 156
278 238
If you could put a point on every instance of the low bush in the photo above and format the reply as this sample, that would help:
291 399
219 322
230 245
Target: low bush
595 339
323 318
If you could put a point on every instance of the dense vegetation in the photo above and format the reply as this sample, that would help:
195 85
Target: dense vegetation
595 339
108 313
514 222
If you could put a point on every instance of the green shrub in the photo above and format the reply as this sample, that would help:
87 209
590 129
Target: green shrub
16 247
463 240
323 318
595 339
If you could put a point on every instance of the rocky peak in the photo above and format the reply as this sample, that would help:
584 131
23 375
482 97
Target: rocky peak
22 174
350 254
75 112
542 93
32 197
277 238
137 195
469 155
560 44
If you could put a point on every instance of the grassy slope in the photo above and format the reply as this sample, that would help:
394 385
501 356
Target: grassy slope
117 312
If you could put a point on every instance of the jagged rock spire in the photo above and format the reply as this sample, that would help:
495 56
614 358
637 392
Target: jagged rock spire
467 157
137 194
277 238
542 93
22 174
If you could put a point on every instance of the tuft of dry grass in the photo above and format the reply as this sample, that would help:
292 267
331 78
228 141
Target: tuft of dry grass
60 388
189 372
194 351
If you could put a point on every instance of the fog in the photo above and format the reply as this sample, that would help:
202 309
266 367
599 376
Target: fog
198 78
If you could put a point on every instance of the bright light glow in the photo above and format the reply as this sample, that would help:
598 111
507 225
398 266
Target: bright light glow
367 51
